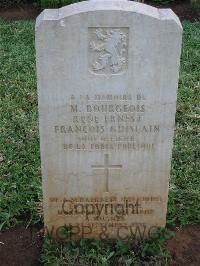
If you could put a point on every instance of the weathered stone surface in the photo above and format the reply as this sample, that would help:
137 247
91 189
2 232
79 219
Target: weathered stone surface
107 84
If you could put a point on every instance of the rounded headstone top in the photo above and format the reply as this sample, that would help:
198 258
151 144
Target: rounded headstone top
108 5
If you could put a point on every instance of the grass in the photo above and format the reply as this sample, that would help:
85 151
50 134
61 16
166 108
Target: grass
20 177
184 196
102 253
20 161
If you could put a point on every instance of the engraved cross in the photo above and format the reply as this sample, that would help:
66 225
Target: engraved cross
106 166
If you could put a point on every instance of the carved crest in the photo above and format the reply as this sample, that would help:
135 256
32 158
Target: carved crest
108 50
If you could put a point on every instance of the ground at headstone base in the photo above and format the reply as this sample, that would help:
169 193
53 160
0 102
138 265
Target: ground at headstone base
181 7
22 246
185 246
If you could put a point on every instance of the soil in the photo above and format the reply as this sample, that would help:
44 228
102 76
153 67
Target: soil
185 246
181 7
25 12
20 246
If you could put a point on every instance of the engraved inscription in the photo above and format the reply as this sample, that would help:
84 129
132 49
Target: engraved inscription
108 50
106 167
105 214
106 122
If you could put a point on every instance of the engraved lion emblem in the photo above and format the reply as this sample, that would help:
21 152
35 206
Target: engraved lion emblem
111 49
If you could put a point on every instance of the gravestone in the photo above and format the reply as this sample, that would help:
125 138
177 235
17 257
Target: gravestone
107 75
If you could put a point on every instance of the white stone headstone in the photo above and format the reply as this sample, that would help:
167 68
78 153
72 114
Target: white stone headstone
107 83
